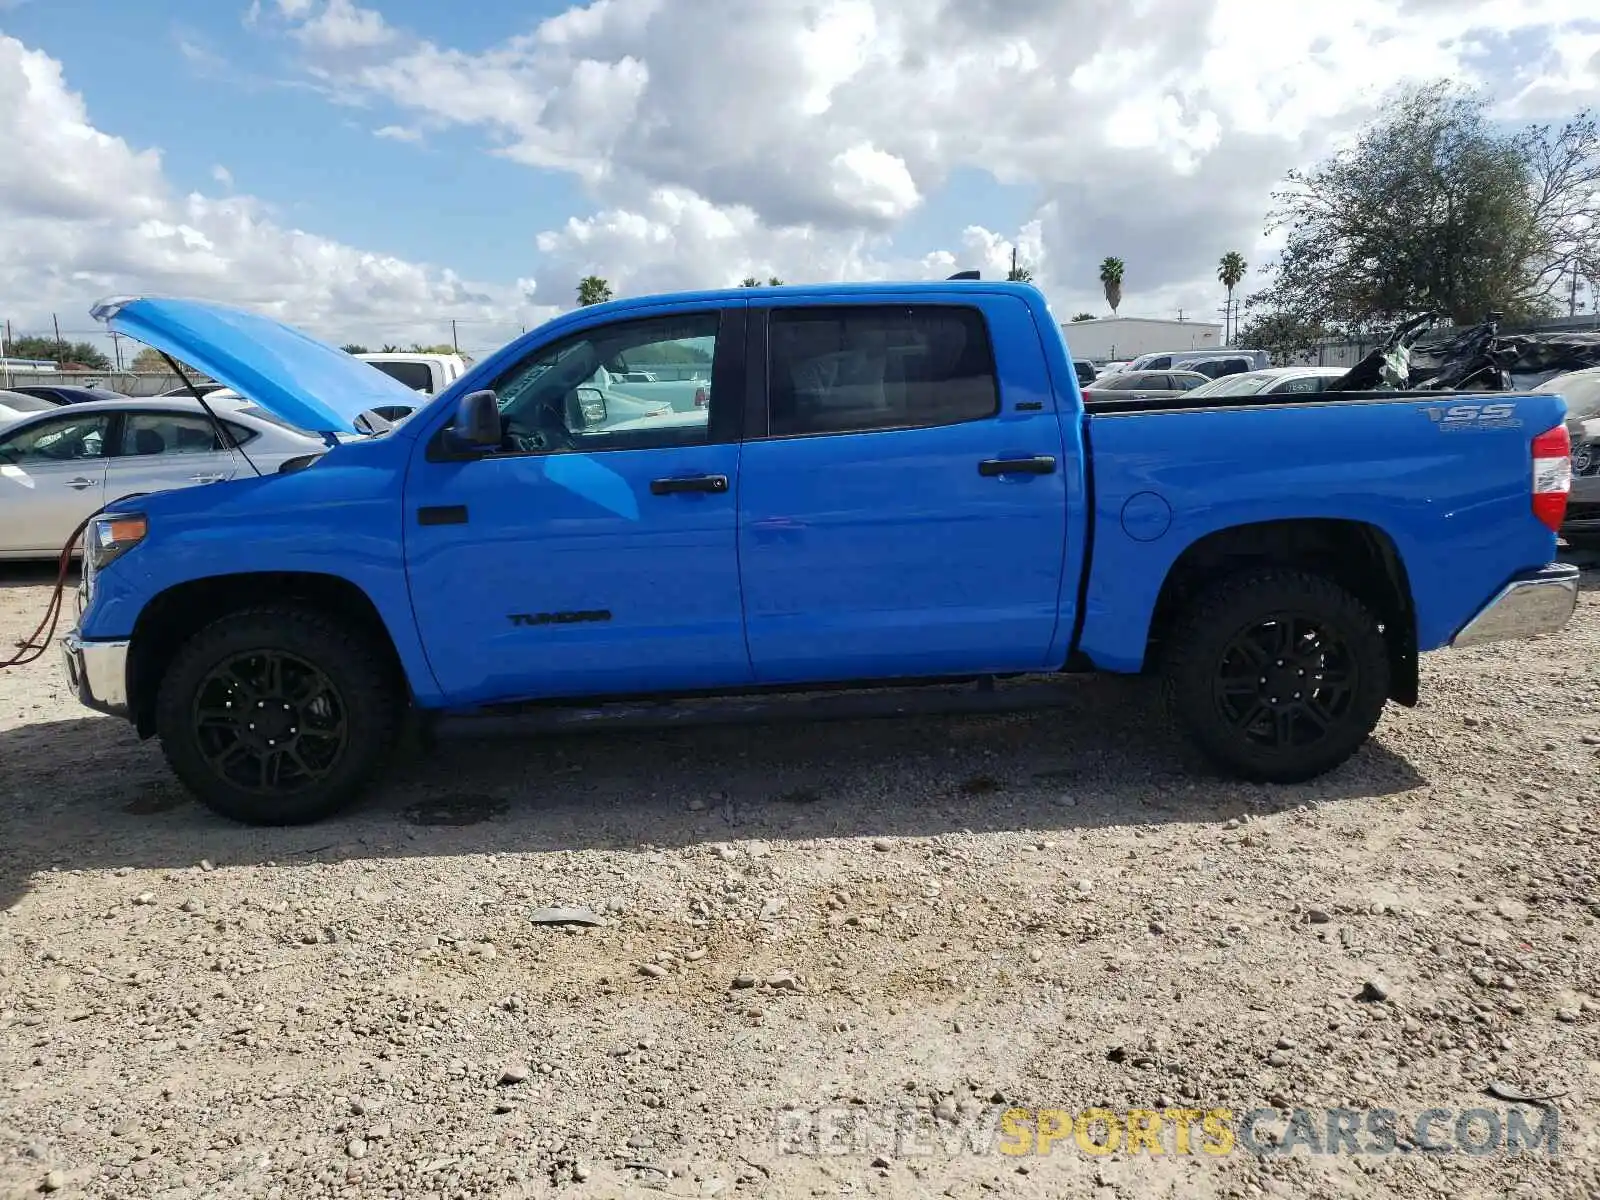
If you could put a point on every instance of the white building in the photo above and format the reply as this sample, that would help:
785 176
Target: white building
1107 339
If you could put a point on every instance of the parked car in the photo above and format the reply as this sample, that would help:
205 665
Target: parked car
16 405
1112 368
1085 371
1581 389
1274 381
1217 362
60 465
892 489
66 393
1144 385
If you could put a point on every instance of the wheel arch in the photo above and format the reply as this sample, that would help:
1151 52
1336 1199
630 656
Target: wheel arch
173 615
1357 555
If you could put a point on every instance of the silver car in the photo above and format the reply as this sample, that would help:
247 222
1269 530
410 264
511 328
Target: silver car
1582 392
59 466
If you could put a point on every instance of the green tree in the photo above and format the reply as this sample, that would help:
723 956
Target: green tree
355 348
1083 316
387 348
1111 279
1230 273
1434 209
83 354
1290 340
149 361
1019 274
593 290
750 281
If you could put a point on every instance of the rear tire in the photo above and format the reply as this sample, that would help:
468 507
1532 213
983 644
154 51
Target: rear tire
278 716
1277 675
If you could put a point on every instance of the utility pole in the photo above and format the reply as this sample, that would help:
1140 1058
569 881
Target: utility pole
453 340
1013 262
116 349
1572 303
60 345
1180 316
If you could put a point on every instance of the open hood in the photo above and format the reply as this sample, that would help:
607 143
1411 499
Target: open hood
310 384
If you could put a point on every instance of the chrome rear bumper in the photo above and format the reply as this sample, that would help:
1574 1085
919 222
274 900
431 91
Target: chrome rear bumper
98 672
1542 602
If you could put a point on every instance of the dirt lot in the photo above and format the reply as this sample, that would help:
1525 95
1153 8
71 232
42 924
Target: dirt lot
925 921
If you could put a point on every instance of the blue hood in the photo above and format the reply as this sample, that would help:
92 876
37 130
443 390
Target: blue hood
308 383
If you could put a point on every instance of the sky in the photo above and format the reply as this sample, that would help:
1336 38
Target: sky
372 170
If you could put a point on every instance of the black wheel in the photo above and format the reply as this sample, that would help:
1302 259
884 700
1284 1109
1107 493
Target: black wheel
1278 675
277 716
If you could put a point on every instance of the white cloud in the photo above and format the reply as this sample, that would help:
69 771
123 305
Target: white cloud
718 137
339 26
222 175
83 214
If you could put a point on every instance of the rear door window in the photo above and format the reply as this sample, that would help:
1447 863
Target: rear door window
853 369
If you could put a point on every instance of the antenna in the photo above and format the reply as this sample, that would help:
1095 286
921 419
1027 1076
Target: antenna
966 275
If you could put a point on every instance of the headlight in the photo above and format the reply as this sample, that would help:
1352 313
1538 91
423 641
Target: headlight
112 535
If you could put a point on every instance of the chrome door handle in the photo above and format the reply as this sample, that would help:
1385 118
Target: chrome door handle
207 478
80 483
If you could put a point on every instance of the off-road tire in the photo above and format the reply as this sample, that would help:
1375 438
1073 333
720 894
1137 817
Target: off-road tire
369 689
1198 645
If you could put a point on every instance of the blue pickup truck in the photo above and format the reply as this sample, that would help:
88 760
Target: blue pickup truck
887 484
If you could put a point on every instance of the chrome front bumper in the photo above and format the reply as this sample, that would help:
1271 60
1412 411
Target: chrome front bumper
1539 603
98 672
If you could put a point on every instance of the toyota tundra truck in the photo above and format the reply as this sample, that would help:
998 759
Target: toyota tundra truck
890 484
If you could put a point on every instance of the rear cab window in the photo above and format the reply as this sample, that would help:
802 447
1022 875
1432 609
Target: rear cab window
859 368
418 376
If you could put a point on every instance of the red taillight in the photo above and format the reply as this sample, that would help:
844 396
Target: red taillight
1552 476
700 397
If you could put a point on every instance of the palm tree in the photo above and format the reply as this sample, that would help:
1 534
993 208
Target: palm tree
750 281
774 281
1111 280
1230 273
593 290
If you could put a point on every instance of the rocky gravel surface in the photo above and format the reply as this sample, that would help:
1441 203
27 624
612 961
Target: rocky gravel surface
795 938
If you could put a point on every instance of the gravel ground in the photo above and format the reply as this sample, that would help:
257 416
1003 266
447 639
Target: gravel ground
922 919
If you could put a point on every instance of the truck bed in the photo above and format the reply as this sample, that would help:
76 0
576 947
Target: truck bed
1112 408
1441 479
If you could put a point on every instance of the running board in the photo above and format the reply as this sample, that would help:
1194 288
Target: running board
769 709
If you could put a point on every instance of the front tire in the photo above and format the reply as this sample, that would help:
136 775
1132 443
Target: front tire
277 716
1278 675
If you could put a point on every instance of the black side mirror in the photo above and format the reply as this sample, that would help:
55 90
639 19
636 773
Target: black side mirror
590 407
476 428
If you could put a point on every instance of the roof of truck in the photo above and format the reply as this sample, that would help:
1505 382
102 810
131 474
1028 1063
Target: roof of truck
812 291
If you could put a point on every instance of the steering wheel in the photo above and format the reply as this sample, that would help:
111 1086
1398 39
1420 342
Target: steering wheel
550 434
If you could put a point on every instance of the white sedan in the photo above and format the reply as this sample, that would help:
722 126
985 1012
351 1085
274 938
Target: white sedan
59 466
1269 381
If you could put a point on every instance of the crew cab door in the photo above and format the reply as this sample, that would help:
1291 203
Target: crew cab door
903 492
589 555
